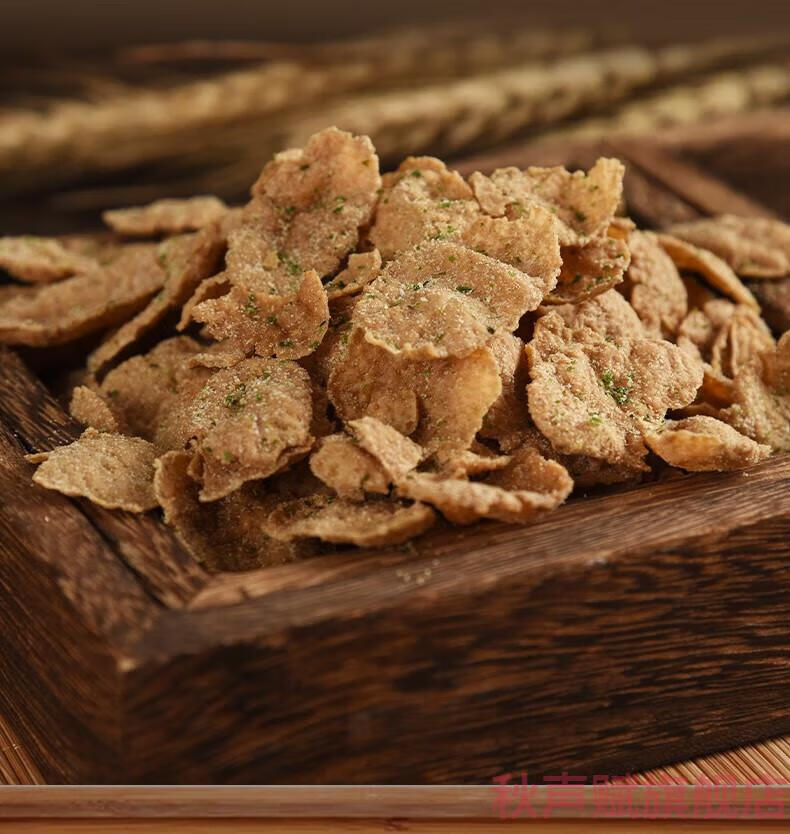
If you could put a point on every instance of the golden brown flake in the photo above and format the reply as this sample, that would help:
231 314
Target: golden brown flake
348 469
41 260
166 217
111 470
363 267
704 444
93 411
395 453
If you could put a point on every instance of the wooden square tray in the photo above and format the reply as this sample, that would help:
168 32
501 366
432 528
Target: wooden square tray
623 632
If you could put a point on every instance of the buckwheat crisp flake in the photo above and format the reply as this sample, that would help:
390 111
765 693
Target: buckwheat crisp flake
348 469
250 421
395 453
93 411
479 460
58 313
592 388
286 327
590 270
187 260
166 217
757 247
421 201
653 286
225 535
111 470
710 267
506 416
306 211
442 300
372 524
704 444
529 243
362 268
214 287
41 260
584 203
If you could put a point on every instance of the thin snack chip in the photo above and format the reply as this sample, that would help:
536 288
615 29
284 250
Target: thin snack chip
41 260
93 411
166 217
712 268
584 203
372 524
704 444
758 247
348 469
214 287
362 268
111 470
250 421
395 453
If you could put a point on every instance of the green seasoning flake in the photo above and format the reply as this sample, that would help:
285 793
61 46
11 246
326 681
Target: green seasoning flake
619 393
233 400
286 343
340 201
272 319
251 307
595 419
289 263
463 289
113 393
580 215
228 457
416 173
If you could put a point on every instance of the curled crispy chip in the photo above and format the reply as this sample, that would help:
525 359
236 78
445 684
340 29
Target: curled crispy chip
584 203
306 211
443 300
471 462
653 286
421 201
93 411
758 247
373 524
507 415
528 242
762 398
226 534
362 268
214 287
712 268
166 217
111 470
62 312
703 444
592 389
347 468
141 391
441 402
249 422
287 327
41 260
590 269
395 453
187 261
527 487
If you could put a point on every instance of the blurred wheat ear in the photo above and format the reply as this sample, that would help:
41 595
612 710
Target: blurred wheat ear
199 117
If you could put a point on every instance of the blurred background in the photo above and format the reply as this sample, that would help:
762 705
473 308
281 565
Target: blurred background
116 103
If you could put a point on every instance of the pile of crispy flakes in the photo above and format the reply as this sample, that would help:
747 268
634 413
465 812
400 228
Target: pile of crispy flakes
354 355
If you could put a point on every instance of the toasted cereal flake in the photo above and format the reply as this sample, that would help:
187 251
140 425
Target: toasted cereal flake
372 524
59 313
41 260
584 203
214 287
762 398
111 470
226 534
92 410
592 387
529 243
395 453
166 217
250 421
653 286
470 462
508 413
527 487
590 270
347 468
362 268
187 261
421 201
287 327
757 247
306 211
703 444
712 268
141 390
443 300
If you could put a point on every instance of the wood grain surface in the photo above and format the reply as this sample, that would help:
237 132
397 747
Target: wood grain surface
625 631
